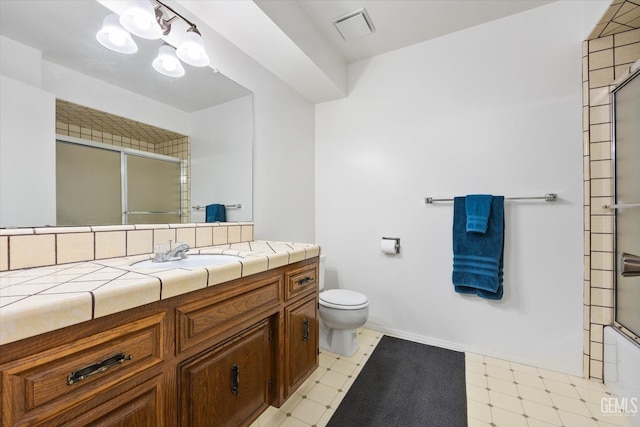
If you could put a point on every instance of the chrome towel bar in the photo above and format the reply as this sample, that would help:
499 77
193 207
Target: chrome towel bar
234 206
152 213
549 197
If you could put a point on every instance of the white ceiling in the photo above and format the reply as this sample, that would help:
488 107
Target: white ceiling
401 23
295 39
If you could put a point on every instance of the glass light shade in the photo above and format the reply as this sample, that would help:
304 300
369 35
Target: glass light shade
140 19
191 50
114 37
167 62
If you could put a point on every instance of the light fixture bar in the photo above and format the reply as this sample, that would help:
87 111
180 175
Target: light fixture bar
191 49
191 24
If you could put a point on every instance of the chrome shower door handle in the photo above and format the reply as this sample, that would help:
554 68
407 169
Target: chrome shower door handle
629 265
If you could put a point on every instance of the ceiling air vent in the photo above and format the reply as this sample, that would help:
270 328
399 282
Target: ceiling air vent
354 24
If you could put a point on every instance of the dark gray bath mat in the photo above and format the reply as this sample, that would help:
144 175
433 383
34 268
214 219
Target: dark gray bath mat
406 384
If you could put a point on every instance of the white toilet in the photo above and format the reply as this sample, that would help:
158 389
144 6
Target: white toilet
342 312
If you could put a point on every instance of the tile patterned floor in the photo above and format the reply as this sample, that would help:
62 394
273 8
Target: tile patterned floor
499 394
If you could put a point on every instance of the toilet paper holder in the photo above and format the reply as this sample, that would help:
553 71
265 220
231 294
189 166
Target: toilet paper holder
386 248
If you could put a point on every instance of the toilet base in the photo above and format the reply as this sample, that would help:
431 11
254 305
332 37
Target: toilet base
339 341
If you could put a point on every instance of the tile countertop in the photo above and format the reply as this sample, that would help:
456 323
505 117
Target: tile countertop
38 300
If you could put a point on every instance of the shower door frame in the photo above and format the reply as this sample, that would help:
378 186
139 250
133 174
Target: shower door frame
124 151
634 335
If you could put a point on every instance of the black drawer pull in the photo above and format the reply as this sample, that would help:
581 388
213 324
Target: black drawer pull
304 281
235 379
305 330
97 368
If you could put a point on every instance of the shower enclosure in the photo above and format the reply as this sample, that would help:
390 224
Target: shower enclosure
622 342
98 184
626 152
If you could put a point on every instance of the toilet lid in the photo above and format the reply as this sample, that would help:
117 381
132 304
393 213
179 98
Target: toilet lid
343 299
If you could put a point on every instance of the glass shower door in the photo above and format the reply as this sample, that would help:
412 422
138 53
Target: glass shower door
626 101
88 185
152 191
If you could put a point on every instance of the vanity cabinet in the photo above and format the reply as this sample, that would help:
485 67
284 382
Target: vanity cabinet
217 356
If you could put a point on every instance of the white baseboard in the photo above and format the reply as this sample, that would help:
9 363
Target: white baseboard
459 347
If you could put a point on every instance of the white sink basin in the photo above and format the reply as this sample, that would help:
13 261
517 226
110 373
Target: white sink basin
190 262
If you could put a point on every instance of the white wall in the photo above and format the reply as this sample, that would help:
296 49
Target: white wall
221 167
27 174
283 169
27 177
492 109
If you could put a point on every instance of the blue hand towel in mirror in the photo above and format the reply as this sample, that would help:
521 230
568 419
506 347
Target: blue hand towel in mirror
216 213
477 208
477 257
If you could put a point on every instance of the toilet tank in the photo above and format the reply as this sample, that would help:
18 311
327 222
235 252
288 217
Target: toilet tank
321 268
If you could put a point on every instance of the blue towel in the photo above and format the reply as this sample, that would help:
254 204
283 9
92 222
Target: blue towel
478 258
477 207
216 213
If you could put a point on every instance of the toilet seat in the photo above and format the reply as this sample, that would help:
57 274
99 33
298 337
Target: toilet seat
343 299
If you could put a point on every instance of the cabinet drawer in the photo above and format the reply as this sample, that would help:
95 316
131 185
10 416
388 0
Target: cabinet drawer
207 319
128 404
65 375
301 281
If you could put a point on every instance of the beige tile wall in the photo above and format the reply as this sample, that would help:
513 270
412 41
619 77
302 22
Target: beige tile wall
181 149
606 62
39 247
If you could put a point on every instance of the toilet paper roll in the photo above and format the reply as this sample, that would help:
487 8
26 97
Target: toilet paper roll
388 246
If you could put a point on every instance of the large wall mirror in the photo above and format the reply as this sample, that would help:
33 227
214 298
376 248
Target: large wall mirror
213 113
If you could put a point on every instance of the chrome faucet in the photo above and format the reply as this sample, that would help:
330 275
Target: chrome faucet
179 252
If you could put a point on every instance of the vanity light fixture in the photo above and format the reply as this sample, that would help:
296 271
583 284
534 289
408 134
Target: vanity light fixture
114 37
167 62
140 19
147 20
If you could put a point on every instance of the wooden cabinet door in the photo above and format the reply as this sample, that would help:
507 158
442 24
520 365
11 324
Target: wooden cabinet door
301 342
228 385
